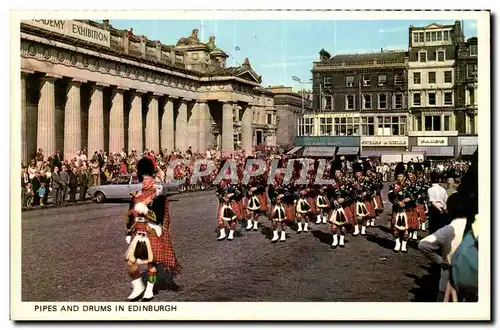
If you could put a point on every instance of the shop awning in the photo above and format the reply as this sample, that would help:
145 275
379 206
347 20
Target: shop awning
436 151
468 150
370 153
293 151
348 151
318 152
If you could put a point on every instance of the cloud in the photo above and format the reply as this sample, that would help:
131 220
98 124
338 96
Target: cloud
392 30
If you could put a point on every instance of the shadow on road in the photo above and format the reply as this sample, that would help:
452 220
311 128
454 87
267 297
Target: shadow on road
385 229
325 238
386 243
427 286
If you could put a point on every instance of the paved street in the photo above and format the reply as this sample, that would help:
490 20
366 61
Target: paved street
75 253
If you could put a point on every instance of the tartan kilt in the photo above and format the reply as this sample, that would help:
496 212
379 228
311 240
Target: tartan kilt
421 212
348 217
412 218
353 219
264 207
163 251
289 211
312 203
370 207
236 206
380 204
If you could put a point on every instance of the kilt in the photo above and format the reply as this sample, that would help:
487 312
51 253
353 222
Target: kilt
412 218
370 207
354 219
264 207
380 204
421 212
289 211
238 210
312 204
163 252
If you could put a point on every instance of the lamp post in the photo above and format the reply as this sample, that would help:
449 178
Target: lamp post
297 79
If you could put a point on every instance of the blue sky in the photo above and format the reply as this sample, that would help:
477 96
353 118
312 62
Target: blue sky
280 49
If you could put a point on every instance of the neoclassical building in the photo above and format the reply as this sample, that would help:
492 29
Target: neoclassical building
88 85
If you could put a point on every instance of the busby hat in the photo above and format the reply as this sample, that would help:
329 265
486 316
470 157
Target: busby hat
145 167
366 166
418 167
336 165
400 169
356 167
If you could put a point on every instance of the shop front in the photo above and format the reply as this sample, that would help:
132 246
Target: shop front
437 148
378 146
329 146
467 145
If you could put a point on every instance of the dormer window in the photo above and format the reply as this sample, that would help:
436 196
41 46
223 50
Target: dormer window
441 56
446 35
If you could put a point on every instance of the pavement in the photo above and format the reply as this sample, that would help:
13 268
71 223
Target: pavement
76 253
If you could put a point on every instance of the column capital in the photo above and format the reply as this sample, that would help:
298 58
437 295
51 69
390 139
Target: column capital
100 85
202 101
24 72
121 89
140 91
50 77
185 99
230 102
157 94
77 82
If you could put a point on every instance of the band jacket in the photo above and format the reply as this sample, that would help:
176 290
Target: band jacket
156 213
397 193
337 191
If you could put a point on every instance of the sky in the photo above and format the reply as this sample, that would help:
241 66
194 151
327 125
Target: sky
280 49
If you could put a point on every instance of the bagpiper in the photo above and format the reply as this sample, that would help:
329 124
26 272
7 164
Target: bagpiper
303 209
422 196
256 205
278 214
322 205
362 196
400 195
340 215
228 211
148 235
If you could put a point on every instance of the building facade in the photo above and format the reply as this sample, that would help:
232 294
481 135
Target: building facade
431 88
289 108
466 95
88 85
363 95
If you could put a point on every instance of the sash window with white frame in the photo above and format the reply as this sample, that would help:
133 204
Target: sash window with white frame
350 102
349 81
382 80
382 101
367 101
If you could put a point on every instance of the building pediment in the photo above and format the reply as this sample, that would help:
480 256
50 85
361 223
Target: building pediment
249 75
434 26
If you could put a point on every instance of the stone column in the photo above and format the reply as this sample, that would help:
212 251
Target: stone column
46 130
72 120
246 130
193 128
227 127
152 124
167 126
116 121
135 122
24 128
203 126
96 119
181 127
262 116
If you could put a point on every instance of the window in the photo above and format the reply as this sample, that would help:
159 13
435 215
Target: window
439 35
382 101
366 81
427 36
306 126
433 36
415 37
325 126
416 78
346 126
398 101
448 98
441 56
327 82
327 101
432 123
446 35
422 56
349 81
471 70
473 50
432 77
391 125
416 99
432 98
382 80
349 102
398 79
421 36
447 77
418 121
368 126
367 101
269 119
447 123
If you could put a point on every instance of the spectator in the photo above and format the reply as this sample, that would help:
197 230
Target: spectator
29 196
73 184
64 175
451 186
56 187
437 204
95 171
83 182
41 193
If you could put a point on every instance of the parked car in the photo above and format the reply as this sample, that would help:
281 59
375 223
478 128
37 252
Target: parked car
123 186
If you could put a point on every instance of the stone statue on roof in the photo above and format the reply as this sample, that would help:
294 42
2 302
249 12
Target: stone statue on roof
246 62
191 40
211 44
324 55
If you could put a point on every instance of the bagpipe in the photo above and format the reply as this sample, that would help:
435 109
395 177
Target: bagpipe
397 195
